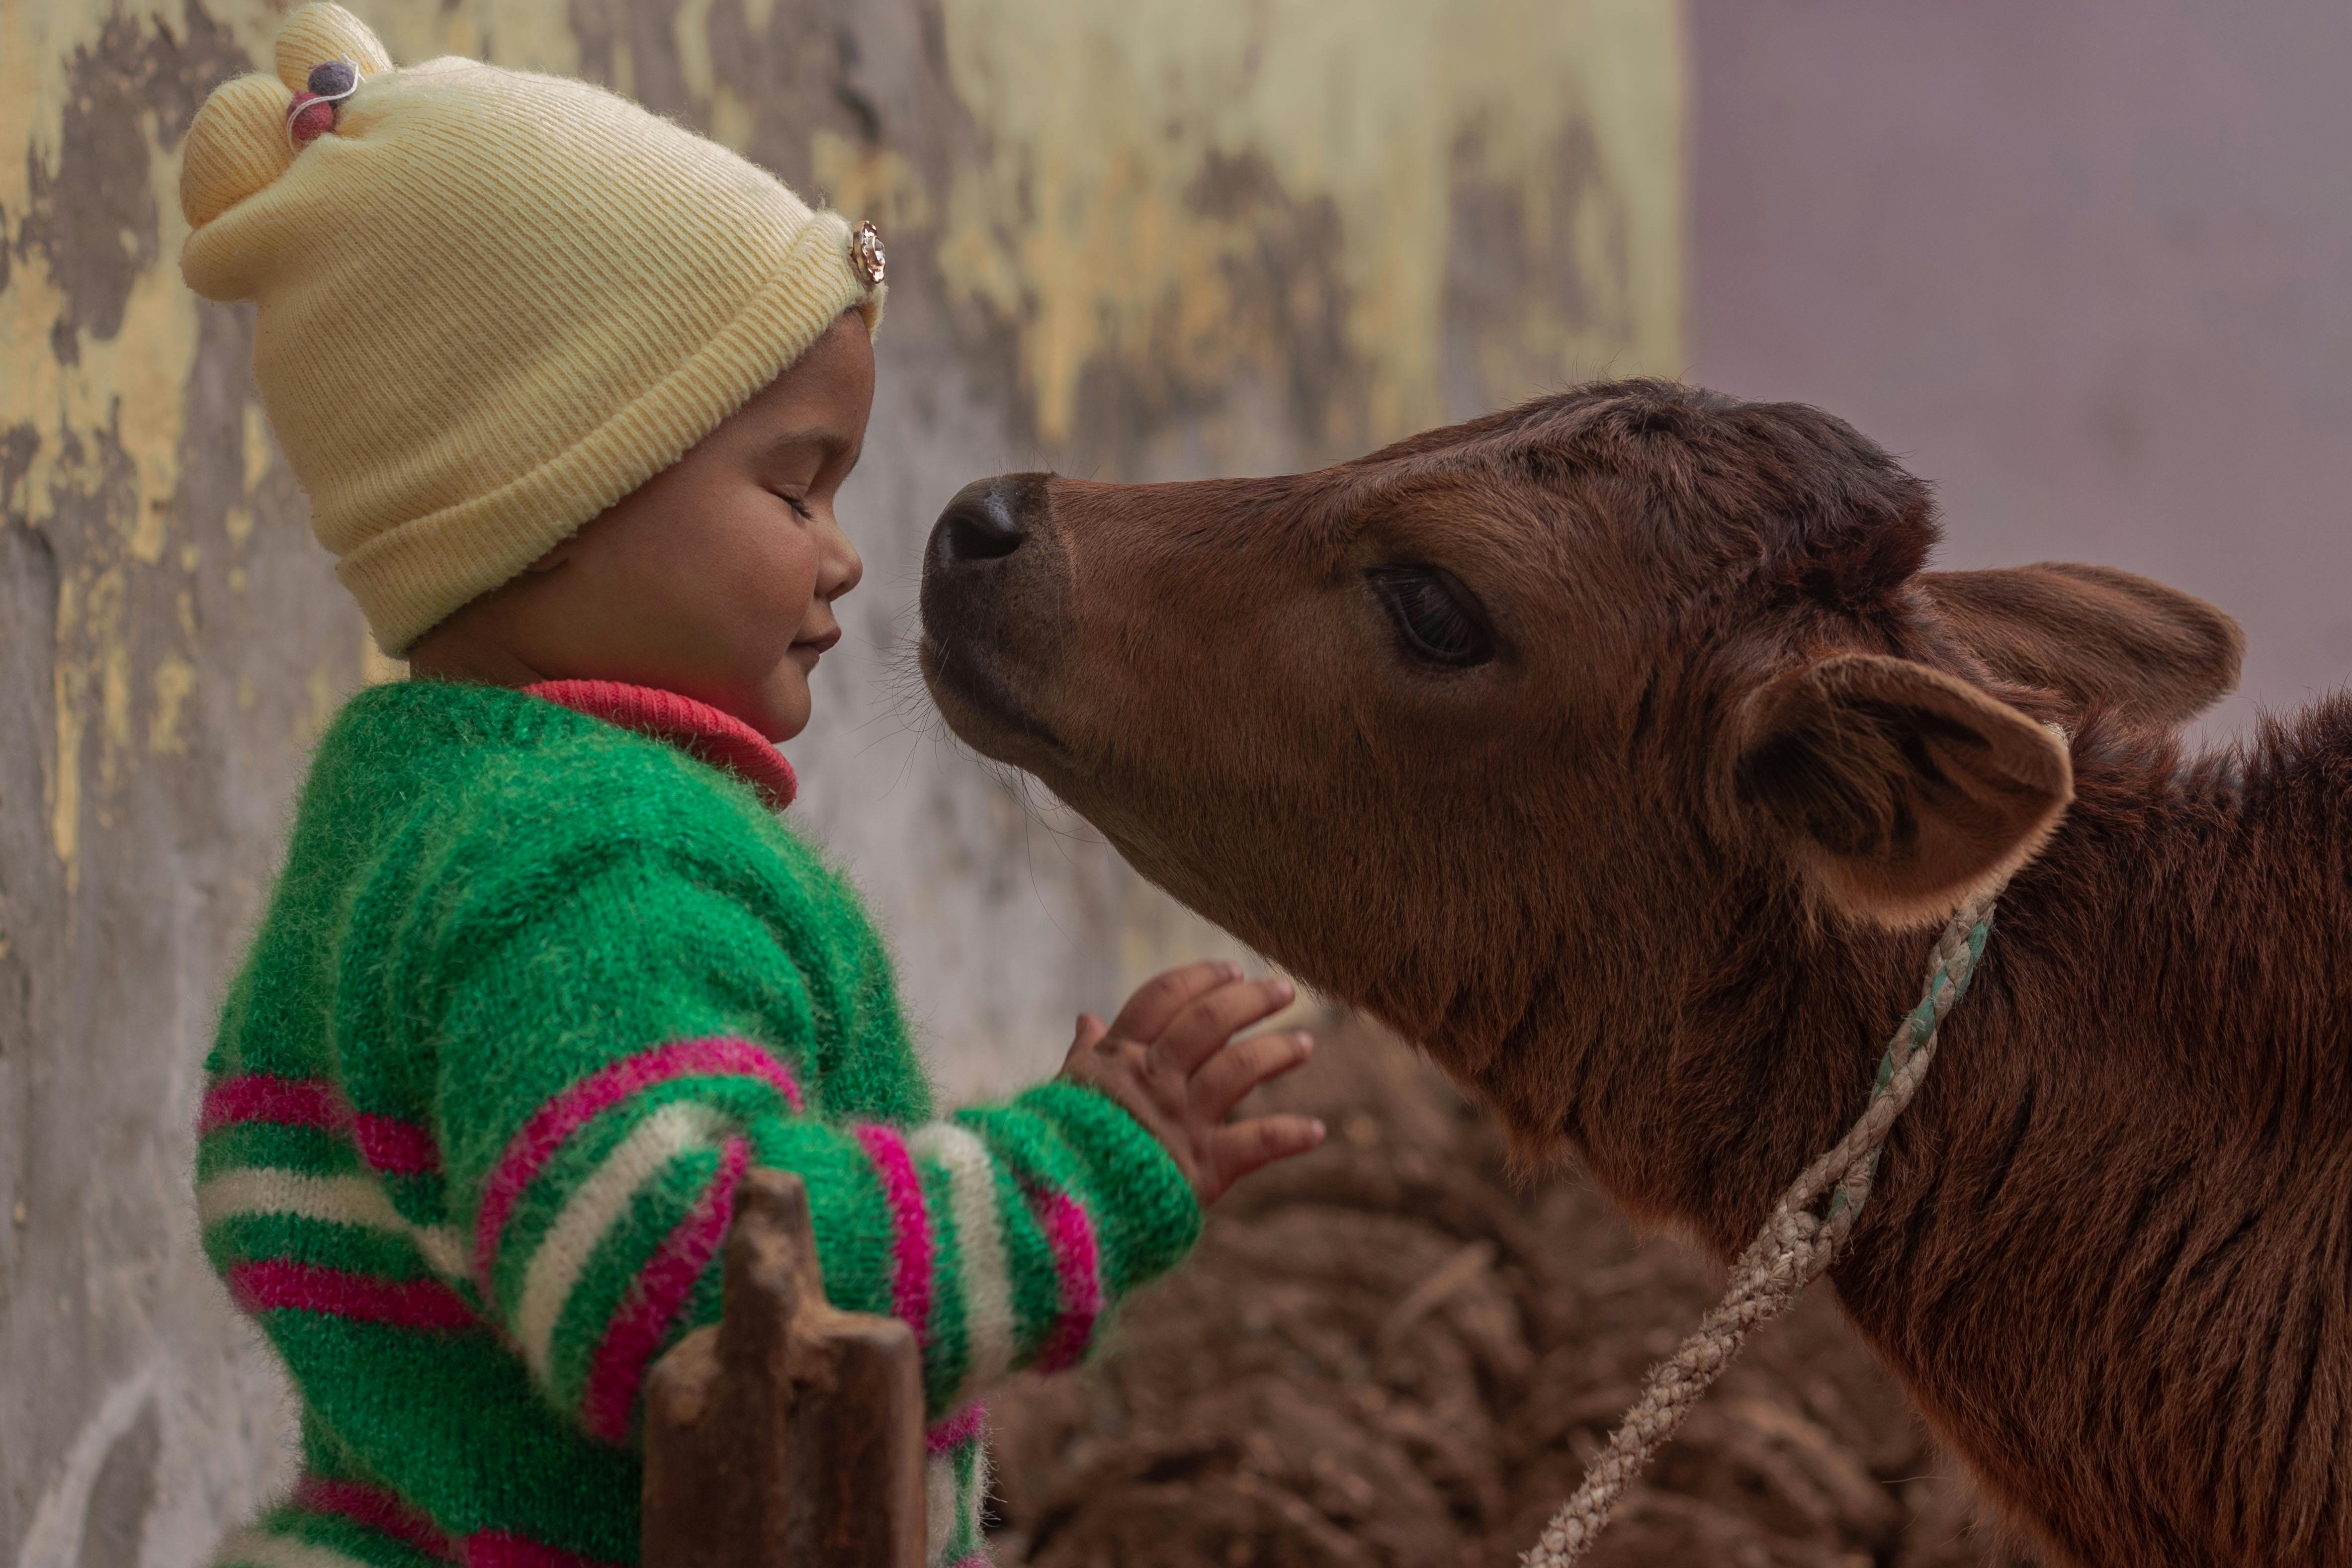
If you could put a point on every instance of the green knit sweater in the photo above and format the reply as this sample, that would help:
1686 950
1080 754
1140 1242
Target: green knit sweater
533 992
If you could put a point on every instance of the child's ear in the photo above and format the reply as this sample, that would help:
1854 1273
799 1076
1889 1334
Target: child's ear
1900 789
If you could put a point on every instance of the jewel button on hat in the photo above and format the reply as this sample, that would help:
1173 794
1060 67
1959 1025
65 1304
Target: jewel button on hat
490 303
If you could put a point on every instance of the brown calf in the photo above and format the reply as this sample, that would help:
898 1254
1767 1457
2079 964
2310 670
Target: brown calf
1617 749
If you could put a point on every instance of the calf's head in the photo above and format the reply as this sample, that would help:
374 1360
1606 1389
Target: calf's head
1481 730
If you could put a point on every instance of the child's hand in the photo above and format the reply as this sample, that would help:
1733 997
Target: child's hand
1169 1058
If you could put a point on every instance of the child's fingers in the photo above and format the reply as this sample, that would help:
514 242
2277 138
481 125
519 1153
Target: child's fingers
1197 1032
1161 998
1091 1033
1241 1067
1236 1150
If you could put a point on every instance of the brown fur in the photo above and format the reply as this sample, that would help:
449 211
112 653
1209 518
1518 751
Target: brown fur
1651 881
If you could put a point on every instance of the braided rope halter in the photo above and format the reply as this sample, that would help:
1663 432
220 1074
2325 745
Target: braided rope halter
1792 1250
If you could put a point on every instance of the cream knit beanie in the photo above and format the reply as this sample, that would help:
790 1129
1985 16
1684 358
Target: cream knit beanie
490 303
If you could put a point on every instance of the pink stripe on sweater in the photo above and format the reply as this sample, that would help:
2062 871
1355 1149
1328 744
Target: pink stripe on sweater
265 1096
496 1549
574 1107
278 1284
380 1508
957 1430
653 1299
388 1144
1076 1262
395 1148
910 1282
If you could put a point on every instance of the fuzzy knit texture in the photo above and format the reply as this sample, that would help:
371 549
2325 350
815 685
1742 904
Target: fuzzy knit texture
490 303
532 994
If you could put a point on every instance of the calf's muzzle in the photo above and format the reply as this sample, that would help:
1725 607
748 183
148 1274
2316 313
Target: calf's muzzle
995 607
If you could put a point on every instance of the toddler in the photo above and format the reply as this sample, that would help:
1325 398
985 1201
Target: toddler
572 392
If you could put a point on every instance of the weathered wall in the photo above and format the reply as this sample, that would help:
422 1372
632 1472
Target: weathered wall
2087 265
1127 239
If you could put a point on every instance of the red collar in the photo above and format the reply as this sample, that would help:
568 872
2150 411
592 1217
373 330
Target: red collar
698 729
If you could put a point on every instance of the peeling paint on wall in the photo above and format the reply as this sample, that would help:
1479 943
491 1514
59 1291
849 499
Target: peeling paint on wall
1174 197
97 335
1135 240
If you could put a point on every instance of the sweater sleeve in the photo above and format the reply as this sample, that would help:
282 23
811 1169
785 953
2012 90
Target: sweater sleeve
618 1037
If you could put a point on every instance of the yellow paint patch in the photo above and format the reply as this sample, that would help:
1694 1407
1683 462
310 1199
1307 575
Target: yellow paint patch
260 448
689 32
176 681
322 689
112 660
864 181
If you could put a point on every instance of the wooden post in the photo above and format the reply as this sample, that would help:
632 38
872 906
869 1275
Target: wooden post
790 1434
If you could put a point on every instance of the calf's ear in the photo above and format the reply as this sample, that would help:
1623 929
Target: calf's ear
1900 789
2099 637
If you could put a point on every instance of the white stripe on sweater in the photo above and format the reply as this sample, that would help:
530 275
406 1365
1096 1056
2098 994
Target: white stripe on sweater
351 1200
596 1204
980 1246
940 1512
265 1550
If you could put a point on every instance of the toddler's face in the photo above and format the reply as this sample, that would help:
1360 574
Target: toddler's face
715 578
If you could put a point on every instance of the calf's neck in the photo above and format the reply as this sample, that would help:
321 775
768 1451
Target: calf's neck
1619 750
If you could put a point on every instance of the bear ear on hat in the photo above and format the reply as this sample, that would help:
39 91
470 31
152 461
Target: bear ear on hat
240 143
236 146
318 33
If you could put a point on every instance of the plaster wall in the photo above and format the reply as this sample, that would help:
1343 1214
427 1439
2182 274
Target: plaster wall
1130 240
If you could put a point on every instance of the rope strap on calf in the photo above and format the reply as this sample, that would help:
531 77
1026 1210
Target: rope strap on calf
1794 1247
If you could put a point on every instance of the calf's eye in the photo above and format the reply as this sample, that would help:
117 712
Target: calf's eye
1438 621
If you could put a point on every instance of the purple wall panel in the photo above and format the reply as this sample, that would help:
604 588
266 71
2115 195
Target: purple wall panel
2085 264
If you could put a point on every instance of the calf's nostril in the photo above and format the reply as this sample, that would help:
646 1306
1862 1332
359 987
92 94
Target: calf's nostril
979 527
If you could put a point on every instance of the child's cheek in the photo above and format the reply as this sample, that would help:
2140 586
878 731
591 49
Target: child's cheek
767 580
794 573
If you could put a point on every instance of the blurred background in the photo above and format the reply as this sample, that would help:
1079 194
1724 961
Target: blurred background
2083 263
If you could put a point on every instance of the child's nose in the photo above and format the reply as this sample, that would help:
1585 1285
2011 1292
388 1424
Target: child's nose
842 566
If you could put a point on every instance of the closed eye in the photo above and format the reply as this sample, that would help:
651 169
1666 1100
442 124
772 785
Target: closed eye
1438 621
797 505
